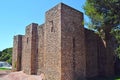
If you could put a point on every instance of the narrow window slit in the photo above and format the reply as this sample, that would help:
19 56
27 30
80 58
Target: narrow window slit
74 65
52 26
27 40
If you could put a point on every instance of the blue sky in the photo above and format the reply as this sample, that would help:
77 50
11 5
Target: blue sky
15 15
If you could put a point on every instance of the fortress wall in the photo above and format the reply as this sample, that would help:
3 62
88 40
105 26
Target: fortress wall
52 44
110 60
91 53
101 56
106 58
23 54
98 63
73 58
29 49
40 56
34 48
17 53
61 48
26 53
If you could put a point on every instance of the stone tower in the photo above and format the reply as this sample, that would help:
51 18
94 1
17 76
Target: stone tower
61 48
64 43
29 49
17 53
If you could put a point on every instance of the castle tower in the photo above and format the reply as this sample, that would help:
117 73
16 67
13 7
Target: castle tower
61 48
17 53
73 55
64 44
29 51
40 50
52 44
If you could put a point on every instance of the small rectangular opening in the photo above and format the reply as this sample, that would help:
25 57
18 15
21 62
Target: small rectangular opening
27 40
73 54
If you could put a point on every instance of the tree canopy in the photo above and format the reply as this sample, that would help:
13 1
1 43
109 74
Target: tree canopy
116 33
6 55
104 14
105 20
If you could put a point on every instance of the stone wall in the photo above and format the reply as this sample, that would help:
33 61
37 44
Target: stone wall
109 65
29 49
91 53
40 50
52 44
61 48
101 58
98 61
73 60
17 53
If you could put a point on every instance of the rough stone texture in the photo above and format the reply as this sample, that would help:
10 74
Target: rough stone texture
53 44
61 48
91 53
29 49
98 61
109 59
73 60
101 56
40 50
17 53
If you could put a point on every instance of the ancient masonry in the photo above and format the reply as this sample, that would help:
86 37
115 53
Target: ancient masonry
61 48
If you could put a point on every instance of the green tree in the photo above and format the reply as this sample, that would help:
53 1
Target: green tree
6 55
0 53
116 33
104 15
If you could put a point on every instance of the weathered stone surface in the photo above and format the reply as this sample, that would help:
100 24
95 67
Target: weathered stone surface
52 44
72 44
91 53
17 53
61 48
40 50
29 49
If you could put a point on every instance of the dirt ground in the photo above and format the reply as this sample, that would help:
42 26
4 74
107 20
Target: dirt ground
4 73
8 75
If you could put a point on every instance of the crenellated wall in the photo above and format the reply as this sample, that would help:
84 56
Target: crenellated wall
61 48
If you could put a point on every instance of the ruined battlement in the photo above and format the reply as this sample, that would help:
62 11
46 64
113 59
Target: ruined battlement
61 48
